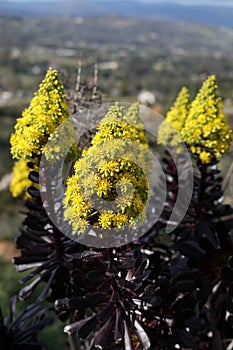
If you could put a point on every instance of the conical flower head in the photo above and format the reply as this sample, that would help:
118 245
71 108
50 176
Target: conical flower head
47 110
109 188
206 130
170 128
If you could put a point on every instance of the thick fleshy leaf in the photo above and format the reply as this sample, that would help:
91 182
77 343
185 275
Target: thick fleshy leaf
152 300
104 337
143 337
44 293
105 286
104 315
61 304
182 302
82 327
34 192
128 343
25 292
204 231
96 276
34 176
119 327
192 250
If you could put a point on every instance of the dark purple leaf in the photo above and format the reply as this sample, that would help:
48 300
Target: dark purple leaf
105 286
96 276
34 176
186 339
227 274
104 315
204 231
192 250
104 337
185 286
82 327
34 192
119 327
182 302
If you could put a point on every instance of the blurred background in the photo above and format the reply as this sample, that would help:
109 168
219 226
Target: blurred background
145 50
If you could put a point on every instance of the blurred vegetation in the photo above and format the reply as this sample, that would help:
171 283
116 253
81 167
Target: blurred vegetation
133 54
52 335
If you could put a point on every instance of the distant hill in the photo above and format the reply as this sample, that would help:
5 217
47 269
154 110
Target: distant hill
166 37
213 15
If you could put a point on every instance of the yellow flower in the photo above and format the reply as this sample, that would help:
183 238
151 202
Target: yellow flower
106 220
206 130
20 181
118 123
109 170
62 143
170 128
121 220
205 157
104 186
46 111
125 184
124 201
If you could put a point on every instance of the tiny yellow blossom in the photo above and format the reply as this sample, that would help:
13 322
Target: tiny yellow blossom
106 220
205 157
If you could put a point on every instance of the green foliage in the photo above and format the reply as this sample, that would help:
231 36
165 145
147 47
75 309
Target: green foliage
8 283
10 216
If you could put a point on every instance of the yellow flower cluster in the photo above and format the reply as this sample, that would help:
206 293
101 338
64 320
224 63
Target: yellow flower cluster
206 129
109 188
62 143
47 110
201 125
20 181
170 128
121 125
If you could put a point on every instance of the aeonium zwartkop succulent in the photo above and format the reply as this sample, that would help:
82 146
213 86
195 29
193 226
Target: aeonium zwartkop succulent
156 292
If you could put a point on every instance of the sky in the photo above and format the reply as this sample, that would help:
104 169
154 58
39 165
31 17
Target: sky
186 2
